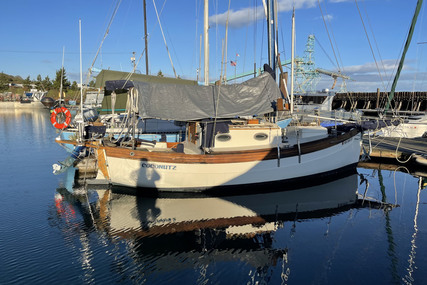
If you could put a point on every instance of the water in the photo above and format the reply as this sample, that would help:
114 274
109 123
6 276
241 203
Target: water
319 235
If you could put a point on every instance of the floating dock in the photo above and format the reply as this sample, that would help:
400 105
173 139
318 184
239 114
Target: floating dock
397 150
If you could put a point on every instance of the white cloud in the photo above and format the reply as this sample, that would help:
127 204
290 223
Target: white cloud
340 1
365 77
244 16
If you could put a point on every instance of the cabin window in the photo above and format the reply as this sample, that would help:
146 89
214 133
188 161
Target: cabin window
223 137
260 136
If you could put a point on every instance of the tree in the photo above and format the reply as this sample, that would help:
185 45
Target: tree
57 82
47 83
39 82
160 74
27 81
74 86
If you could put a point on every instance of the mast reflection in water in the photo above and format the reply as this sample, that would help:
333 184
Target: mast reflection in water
196 239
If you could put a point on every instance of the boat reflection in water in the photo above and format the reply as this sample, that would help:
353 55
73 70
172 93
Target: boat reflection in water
174 233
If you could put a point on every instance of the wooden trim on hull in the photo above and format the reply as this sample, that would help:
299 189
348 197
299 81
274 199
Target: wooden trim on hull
227 157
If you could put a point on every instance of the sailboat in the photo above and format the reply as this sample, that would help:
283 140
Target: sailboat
234 136
409 126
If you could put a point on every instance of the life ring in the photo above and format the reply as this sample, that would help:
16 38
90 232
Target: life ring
64 123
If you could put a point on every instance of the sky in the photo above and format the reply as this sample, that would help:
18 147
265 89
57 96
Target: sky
363 39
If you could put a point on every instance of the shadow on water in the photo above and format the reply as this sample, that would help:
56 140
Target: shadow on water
185 232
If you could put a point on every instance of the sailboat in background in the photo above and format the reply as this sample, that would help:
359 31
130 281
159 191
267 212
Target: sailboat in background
408 126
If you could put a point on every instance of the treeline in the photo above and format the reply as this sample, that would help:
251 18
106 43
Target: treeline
45 84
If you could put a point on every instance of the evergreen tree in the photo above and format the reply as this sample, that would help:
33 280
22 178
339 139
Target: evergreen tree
27 81
74 86
160 74
47 83
39 82
57 82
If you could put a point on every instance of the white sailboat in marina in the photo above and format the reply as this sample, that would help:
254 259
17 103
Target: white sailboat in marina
412 124
235 136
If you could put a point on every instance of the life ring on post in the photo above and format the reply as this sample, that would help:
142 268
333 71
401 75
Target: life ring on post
63 122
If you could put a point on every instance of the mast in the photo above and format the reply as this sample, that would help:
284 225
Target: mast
81 123
271 31
145 37
292 60
62 75
206 30
405 49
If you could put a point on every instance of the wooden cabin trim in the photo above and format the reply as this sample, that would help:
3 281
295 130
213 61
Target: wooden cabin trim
217 157
226 157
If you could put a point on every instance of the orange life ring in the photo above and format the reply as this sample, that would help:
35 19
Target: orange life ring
55 113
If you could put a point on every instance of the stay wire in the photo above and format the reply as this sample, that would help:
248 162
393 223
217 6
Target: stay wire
370 45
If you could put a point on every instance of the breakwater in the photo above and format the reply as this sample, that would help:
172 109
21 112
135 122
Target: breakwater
402 101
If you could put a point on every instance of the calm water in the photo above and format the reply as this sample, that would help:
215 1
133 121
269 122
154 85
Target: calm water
318 235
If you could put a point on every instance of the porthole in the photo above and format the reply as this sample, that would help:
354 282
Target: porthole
260 136
223 137
131 153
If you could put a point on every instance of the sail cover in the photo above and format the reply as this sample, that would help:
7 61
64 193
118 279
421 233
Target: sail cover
185 103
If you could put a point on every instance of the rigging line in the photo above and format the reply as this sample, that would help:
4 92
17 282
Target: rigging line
225 48
329 36
164 39
370 46
419 56
327 55
262 43
255 32
336 45
375 40
222 64
196 36
246 43
128 77
102 42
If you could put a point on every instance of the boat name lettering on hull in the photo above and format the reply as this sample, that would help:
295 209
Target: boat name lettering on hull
156 166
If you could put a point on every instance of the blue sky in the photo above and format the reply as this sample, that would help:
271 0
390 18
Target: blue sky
35 32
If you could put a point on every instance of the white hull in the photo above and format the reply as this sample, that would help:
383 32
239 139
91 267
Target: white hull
201 176
19 105
405 130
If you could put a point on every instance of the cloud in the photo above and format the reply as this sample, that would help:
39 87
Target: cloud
327 17
365 77
245 16
340 1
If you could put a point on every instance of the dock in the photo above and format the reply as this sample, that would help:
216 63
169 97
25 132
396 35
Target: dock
400 151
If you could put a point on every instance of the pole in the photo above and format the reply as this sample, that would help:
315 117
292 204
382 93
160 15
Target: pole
62 75
145 36
81 71
271 32
405 49
292 61
206 30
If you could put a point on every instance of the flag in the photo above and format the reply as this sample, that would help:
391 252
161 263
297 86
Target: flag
233 63
237 55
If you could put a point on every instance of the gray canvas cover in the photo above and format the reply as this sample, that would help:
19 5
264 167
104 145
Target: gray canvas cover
185 103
